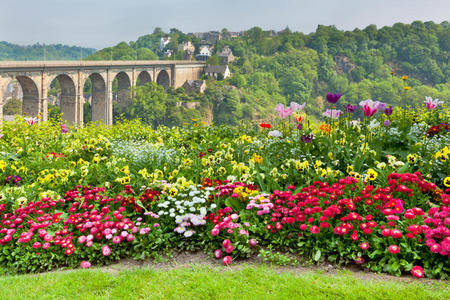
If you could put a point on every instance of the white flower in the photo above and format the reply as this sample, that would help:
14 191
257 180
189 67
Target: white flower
192 208
188 233
275 133
180 229
203 211
213 206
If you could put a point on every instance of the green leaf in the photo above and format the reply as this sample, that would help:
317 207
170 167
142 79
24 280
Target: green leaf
317 255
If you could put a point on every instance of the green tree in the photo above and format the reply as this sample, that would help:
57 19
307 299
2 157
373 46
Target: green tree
148 104
13 107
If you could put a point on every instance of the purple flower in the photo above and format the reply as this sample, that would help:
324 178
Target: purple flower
307 138
350 108
300 126
64 128
332 113
388 111
381 106
387 123
333 98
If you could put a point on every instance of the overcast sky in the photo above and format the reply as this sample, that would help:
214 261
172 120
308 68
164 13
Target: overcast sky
101 23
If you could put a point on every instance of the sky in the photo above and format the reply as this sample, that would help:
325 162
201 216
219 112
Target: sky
102 23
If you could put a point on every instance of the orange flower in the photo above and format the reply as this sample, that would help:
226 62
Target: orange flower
325 128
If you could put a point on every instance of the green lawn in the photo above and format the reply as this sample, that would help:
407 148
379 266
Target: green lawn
200 282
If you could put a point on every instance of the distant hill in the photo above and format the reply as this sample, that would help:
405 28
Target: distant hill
10 51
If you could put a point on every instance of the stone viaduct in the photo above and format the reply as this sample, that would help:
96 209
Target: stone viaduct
35 79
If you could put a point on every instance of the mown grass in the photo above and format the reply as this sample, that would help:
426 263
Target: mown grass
200 282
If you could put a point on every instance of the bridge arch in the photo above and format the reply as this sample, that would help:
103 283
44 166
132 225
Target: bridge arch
31 97
163 79
123 88
98 97
143 78
68 98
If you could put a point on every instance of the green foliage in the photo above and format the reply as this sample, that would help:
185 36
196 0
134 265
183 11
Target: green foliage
12 107
149 104
10 51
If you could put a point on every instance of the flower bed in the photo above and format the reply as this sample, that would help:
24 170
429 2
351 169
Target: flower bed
341 191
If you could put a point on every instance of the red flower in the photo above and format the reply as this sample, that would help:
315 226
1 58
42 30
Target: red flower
394 249
417 271
264 125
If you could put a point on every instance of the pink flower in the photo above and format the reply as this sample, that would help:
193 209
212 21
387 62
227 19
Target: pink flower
46 245
283 112
226 260
130 237
297 107
226 243
215 231
369 107
243 232
253 242
31 120
64 128
417 271
117 239
394 249
218 254
85 264
359 260
332 113
89 243
82 239
432 104
364 245
229 249
106 251
36 245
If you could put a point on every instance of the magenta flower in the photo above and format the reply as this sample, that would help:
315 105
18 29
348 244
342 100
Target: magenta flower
64 128
432 104
333 98
85 264
350 108
369 107
332 113
106 250
282 111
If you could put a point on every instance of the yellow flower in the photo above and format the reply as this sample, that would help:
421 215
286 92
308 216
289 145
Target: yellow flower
406 88
355 175
447 181
404 77
125 170
350 169
372 174
317 164
330 155
173 192
257 159
412 158
3 165
96 159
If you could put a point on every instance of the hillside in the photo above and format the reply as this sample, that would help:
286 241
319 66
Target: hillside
10 51
273 67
